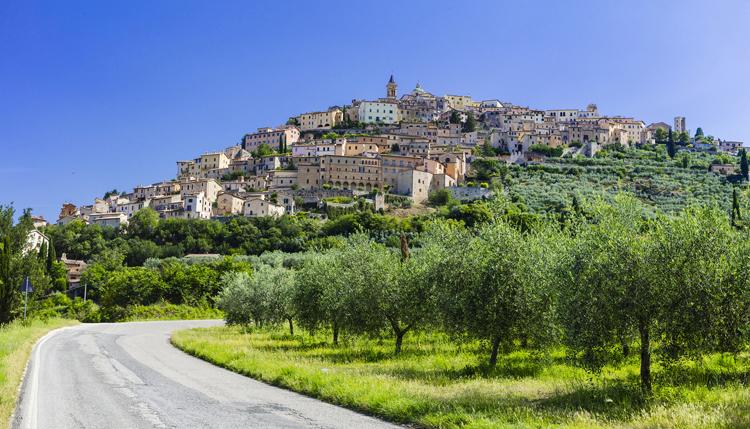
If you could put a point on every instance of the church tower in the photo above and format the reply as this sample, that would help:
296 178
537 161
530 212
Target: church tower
390 88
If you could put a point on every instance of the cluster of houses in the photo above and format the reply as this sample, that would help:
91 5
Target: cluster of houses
408 146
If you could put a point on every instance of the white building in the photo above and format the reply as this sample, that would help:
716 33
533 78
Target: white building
128 208
209 187
197 206
34 241
257 207
378 112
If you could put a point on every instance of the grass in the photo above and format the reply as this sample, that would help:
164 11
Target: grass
438 384
166 311
17 339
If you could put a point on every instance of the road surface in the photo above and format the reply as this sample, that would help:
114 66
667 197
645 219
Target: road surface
127 375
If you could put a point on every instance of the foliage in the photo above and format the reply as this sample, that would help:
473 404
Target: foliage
441 197
265 297
470 125
166 311
546 150
17 263
646 174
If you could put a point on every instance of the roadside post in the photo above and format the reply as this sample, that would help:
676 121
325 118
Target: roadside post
26 288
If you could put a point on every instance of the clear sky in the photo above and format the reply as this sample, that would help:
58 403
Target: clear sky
109 94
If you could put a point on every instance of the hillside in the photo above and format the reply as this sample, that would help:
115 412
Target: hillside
660 182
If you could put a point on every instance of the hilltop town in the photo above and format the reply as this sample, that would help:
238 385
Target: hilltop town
389 152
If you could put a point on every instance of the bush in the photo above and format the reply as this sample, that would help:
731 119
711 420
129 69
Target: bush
439 198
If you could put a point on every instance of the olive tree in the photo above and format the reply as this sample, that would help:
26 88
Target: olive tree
702 264
319 297
244 299
607 291
495 286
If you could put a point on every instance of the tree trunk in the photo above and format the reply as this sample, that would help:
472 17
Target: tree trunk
335 334
399 333
625 348
495 348
645 359
291 327
399 340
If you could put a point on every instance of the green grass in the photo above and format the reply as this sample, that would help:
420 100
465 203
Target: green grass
436 383
17 339
166 311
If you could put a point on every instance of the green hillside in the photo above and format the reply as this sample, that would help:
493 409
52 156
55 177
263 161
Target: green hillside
661 182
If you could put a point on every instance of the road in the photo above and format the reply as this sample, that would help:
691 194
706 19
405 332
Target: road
128 375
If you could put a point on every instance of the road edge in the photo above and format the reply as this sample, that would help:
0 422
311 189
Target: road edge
363 411
15 416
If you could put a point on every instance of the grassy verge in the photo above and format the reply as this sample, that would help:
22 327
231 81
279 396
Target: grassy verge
435 383
16 341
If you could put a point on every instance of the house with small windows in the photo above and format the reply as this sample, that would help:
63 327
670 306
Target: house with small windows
35 240
114 220
723 169
228 204
197 206
209 187
283 179
272 137
258 207
378 112
415 184
74 268
320 120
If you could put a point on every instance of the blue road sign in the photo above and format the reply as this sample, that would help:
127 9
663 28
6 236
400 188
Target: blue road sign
27 286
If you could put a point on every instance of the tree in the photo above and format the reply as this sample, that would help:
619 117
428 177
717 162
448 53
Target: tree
605 288
455 117
8 293
471 214
470 125
700 264
14 265
685 160
736 216
744 169
487 149
699 132
263 150
504 292
246 299
51 255
683 137
320 294
660 135
133 286
143 223
440 197
671 148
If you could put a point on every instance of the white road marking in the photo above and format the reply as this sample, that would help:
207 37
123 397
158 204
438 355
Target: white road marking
31 411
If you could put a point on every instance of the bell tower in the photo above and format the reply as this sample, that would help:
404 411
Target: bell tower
390 88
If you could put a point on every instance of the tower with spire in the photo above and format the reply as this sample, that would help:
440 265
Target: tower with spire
390 88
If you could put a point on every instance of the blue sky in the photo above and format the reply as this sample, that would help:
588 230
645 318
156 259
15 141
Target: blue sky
100 95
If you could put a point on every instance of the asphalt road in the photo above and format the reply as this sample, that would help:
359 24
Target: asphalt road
127 375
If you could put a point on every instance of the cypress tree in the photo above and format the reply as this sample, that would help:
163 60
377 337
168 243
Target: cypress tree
671 149
744 168
736 213
43 251
51 256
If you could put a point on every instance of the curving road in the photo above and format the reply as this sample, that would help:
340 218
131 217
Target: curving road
127 375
